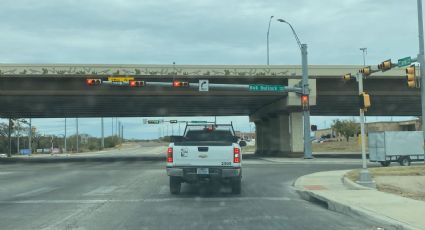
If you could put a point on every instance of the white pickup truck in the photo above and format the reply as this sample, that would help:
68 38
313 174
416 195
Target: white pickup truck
205 153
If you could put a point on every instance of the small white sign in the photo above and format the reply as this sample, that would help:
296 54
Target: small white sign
203 86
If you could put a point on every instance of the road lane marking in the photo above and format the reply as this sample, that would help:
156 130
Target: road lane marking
103 190
36 192
149 200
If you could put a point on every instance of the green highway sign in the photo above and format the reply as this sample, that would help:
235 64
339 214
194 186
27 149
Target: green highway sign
153 121
273 88
173 121
404 61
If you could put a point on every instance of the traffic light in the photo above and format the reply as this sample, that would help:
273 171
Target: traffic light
180 84
93 82
364 101
133 83
366 71
305 102
411 76
385 65
347 77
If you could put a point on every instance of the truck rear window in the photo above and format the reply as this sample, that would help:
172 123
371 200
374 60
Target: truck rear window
206 135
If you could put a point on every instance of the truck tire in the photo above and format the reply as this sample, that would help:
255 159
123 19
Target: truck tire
405 161
175 185
385 163
236 185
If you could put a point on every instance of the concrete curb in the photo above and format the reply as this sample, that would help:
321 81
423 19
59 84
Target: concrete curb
353 185
352 211
66 159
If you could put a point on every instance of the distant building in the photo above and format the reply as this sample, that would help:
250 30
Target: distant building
379 126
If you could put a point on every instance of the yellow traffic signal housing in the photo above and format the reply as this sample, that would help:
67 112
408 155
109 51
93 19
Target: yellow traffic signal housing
364 101
411 76
347 77
366 71
385 65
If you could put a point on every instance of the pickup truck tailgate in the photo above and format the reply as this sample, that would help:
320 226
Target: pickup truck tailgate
203 155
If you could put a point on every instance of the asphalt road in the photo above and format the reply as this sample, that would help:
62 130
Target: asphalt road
135 195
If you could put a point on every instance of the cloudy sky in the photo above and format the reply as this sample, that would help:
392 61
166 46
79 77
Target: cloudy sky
202 32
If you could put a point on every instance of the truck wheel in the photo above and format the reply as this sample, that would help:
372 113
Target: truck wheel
236 186
385 163
405 161
175 185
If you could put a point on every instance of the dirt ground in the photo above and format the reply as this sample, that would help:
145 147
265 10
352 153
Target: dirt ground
408 181
338 146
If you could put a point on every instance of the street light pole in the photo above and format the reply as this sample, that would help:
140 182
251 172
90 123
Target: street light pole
268 35
305 91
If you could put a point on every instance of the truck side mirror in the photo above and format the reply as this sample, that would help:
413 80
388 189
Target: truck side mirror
242 143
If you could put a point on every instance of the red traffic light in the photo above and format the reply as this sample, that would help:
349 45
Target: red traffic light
180 84
92 82
136 83
305 102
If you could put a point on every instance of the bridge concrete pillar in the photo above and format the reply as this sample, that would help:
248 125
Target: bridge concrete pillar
284 145
273 135
265 137
296 132
258 138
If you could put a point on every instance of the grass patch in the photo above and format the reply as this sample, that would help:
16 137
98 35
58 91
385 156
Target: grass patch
389 171
250 148
338 146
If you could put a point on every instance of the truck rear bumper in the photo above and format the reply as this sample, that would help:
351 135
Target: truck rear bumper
190 172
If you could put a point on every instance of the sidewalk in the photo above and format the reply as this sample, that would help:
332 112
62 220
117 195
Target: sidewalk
341 195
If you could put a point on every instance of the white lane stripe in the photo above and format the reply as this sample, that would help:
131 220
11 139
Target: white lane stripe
150 200
103 190
36 192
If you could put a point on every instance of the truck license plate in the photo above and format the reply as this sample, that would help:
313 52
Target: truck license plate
202 171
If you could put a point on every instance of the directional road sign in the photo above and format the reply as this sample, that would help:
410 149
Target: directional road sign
272 88
404 61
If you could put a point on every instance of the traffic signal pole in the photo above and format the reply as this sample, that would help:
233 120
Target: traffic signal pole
306 112
421 63
364 178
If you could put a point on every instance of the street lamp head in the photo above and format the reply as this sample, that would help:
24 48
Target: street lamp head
281 20
271 17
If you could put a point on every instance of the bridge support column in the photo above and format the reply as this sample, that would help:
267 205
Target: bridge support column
258 138
296 133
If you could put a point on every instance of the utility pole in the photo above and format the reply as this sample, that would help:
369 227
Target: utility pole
77 137
102 133
112 126
30 138
364 50
421 63
122 133
9 152
64 137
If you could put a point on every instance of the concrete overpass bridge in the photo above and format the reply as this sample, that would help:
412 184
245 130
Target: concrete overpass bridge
61 91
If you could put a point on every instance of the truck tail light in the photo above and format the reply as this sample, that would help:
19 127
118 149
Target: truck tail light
170 155
236 155
136 83
92 82
180 84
